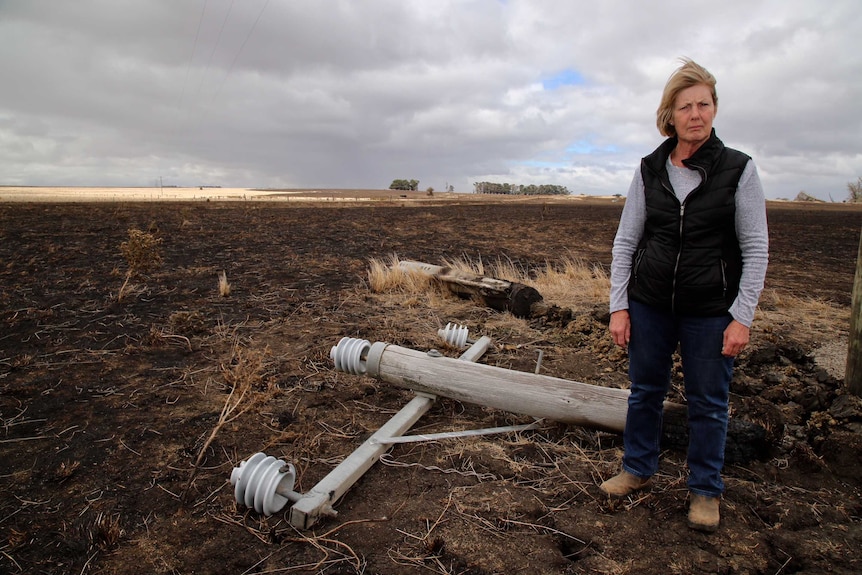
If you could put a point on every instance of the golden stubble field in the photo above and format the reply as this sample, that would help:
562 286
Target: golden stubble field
79 194
116 453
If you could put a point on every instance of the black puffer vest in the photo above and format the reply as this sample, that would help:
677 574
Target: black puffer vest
689 261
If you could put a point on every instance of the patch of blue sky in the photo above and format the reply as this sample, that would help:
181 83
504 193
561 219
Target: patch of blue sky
543 164
567 77
565 157
587 147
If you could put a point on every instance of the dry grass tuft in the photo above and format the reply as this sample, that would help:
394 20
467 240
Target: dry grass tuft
142 255
223 285
466 265
573 283
811 320
388 277
107 531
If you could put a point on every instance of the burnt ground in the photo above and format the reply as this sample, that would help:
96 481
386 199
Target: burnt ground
105 405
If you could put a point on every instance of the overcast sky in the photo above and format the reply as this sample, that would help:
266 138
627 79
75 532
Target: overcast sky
354 94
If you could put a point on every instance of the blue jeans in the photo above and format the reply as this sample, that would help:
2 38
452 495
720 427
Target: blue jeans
654 338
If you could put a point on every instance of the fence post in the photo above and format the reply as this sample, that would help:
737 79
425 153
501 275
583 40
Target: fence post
853 371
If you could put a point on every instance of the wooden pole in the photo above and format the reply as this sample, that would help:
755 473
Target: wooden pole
542 397
853 371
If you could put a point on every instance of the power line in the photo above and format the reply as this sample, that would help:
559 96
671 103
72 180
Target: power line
212 52
192 57
236 56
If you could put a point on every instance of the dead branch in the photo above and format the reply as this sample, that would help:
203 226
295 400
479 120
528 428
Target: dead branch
241 376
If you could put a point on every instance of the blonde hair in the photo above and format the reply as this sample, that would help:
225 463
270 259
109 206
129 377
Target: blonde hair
689 74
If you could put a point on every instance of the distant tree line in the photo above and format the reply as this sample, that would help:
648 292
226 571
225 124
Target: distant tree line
515 189
411 185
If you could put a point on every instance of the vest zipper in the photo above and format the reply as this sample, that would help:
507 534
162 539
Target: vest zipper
681 238
669 190
678 255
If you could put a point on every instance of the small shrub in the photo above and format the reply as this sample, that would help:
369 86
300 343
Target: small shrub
142 255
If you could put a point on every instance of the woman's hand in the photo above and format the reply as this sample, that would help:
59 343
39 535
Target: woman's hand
735 339
621 328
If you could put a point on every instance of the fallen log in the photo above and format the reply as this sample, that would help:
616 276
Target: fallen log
498 294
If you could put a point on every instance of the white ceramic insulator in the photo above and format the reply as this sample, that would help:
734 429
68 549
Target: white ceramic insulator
454 334
263 483
349 355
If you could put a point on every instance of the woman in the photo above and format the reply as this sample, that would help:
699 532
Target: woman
689 261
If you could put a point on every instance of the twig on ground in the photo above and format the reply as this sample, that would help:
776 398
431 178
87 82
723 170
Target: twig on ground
244 372
17 439
323 543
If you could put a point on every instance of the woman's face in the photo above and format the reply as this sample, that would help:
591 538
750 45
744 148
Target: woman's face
693 113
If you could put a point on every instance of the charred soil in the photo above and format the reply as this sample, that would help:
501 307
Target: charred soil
115 449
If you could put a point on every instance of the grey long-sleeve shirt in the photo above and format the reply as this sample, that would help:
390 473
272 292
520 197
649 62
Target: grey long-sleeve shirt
751 231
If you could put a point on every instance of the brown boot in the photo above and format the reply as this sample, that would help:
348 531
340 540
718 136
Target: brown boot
624 483
703 513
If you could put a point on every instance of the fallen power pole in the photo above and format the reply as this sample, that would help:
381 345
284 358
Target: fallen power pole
266 483
536 395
